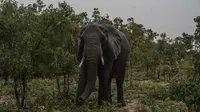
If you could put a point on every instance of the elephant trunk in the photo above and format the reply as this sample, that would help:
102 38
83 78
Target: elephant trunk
91 78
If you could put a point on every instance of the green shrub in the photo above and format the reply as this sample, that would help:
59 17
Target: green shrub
159 92
41 93
163 106
187 90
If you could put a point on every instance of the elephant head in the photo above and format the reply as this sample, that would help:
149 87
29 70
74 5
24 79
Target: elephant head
96 43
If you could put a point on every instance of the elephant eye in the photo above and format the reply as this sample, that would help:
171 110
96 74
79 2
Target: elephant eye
103 41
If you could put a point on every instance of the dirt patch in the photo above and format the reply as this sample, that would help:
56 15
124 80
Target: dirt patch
153 83
132 106
4 99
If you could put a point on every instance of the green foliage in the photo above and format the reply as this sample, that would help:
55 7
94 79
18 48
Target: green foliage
186 88
163 106
41 92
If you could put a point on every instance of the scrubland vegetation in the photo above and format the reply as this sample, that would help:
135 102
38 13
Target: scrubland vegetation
39 70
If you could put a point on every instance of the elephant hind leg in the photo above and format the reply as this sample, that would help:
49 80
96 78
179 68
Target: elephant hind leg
120 91
119 71
109 90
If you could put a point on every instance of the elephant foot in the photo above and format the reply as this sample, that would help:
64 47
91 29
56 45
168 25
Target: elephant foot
100 103
103 102
121 104
79 103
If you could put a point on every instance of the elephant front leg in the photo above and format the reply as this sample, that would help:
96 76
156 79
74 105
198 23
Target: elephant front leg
104 83
103 94
81 85
120 92
109 90
101 90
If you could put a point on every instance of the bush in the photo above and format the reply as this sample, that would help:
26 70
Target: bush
187 90
41 93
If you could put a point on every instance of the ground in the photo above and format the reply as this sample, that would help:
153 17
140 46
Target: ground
132 106
141 96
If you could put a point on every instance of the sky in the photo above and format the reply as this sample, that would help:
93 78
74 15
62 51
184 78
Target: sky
171 16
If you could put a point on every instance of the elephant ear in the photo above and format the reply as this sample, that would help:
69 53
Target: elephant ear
114 42
80 44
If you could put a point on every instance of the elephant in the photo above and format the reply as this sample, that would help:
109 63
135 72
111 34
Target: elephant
102 51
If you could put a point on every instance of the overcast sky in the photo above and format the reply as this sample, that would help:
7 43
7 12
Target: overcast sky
170 16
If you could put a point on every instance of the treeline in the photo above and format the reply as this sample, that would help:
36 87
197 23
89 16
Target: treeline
40 40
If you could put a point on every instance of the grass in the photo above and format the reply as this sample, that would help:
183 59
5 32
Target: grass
140 95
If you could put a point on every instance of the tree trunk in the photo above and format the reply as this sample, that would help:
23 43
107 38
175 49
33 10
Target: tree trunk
189 107
147 67
15 89
158 73
131 71
169 75
58 84
68 85
5 75
24 83
64 87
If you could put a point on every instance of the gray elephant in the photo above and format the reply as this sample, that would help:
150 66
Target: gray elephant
102 51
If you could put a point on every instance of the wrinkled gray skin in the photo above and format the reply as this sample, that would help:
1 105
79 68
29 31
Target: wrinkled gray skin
102 51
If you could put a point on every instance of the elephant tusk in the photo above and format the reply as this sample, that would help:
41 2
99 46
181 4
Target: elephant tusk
81 62
102 60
